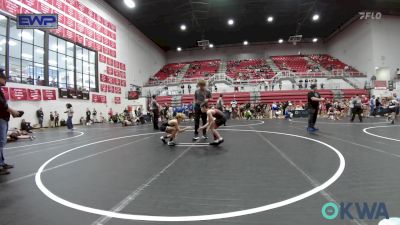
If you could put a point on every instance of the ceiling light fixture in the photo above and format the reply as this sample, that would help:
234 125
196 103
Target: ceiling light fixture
211 45
315 40
130 4
270 19
315 17
245 42
183 27
179 49
231 22
280 41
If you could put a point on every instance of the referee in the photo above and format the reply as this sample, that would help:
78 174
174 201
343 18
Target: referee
313 106
201 96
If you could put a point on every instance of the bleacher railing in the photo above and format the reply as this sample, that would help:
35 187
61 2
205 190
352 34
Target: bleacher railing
281 74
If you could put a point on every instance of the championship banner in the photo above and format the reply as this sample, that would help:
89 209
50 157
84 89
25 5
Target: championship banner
49 95
18 94
34 94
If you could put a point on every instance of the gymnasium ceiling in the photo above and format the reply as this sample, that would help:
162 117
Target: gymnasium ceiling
160 20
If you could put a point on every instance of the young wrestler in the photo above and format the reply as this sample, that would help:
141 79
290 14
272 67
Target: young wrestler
171 128
216 118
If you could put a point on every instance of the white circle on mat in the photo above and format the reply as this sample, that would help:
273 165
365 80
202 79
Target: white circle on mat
315 190
365 130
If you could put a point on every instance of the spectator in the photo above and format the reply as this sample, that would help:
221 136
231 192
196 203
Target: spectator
189 88
40 116
52 119
26 126
70 114
88 114
5 112
94 113
357 108
56 119
155 108
220 103
372 106
183 89
280 85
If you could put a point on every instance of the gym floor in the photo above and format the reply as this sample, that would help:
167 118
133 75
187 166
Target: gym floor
266 172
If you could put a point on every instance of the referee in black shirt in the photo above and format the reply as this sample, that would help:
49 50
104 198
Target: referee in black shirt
313 106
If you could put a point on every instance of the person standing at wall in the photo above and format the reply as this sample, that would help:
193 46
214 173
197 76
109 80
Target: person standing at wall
313 105
70 114
56 119
155 108
88 114
40 116
5 112
201 95
51 119
94 113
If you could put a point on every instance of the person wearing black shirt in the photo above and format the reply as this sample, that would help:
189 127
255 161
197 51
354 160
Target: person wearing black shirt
88 114
155 108
40 116
5 112
313 105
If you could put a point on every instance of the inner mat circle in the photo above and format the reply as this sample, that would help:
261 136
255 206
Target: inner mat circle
291 200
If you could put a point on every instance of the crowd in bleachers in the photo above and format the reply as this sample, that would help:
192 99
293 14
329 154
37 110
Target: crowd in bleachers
330 63
255 69
203 69
249 69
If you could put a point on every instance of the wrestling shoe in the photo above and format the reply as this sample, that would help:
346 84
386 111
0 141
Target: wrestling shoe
171 143
195 138
163 140
204 137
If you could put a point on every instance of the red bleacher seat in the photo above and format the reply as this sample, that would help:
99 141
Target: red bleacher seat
294 63
169 70
203 69
330 63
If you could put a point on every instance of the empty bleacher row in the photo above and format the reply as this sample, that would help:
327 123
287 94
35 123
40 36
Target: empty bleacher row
254 69
266 97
